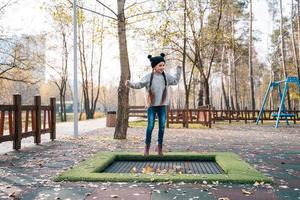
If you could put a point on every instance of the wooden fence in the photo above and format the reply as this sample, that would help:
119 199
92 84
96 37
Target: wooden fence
250 115
206 115
137 111
178 116
191 116
15 121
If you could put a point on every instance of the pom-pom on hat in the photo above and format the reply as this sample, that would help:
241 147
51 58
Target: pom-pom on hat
156 59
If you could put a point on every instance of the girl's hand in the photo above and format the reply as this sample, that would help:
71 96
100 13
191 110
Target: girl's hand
126 83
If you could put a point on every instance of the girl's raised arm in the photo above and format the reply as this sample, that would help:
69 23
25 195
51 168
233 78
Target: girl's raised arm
173 80
140 84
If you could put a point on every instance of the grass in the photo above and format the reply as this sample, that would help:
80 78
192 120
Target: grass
236 170
143 123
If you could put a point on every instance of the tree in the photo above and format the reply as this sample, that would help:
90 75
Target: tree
90 90
295 54
252 98
298 39
120 18
208 37
62 19
15 57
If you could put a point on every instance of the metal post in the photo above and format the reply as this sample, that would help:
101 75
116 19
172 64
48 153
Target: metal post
264 102
281 107
75 99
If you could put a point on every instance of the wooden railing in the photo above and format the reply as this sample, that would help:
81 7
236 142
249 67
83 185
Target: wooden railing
206 115
191 116
250 115
178 116
137 111
19 121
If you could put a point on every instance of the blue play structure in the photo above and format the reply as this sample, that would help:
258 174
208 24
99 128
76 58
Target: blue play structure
282 111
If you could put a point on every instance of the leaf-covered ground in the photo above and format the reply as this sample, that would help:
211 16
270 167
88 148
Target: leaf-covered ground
29 173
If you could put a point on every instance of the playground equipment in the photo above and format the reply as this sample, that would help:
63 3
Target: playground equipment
282 111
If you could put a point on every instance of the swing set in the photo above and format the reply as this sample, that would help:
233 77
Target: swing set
282 113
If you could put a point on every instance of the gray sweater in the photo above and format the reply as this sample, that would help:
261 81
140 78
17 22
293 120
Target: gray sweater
158 85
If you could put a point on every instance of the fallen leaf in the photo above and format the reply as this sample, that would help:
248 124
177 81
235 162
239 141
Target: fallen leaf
134 170
223 198
283 186
12 194
157 171
246 192
157 191
147 170
256 184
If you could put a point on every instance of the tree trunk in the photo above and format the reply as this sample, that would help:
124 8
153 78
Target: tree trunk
283 53
224 95
187 91
298 25
250 58
61 108
81 107
206 89
123 91
295 55
64 103
194 94
222 80
233 62
229 58
84 71
62 83
200 94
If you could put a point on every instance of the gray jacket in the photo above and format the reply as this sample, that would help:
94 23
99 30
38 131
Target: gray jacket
158 85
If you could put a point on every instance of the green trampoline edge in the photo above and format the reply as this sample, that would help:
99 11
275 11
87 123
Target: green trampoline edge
236 170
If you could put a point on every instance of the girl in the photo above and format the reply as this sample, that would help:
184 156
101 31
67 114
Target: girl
156 84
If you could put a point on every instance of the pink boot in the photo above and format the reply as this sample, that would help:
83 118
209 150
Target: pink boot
159 150
146 150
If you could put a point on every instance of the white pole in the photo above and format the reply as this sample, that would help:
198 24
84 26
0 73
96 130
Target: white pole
75 100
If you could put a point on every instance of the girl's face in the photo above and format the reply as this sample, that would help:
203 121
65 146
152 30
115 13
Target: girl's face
160 67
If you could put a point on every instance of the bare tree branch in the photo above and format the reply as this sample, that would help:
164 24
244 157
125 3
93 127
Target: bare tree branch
93 11
147 13
8 69
24 80
107 8
8 3
135 3
133 22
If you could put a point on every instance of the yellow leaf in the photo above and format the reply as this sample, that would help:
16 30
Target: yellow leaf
133 170
157 170
223 198
246 192
147 170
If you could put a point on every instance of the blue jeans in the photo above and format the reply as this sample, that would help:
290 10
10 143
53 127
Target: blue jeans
161 112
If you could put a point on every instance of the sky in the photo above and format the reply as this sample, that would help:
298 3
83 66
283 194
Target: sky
26 17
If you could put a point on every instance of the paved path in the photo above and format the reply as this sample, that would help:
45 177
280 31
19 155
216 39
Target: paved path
86 126
28 174
62 128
